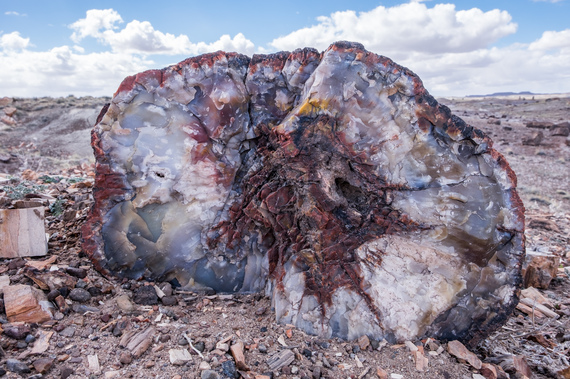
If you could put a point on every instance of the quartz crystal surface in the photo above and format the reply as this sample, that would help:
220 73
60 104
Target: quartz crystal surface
332 181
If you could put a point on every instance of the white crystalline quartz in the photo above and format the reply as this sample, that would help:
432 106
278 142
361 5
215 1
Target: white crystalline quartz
333 181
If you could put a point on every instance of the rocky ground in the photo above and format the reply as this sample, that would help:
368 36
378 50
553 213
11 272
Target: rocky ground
106 327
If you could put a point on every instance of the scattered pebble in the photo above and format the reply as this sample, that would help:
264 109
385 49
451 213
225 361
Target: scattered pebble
80 295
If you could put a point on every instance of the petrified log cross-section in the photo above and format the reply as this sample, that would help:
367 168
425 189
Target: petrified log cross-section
332 181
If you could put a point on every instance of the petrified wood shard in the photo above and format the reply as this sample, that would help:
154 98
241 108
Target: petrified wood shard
332 181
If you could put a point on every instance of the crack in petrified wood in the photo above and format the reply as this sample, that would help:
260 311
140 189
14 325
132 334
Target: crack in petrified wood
333 181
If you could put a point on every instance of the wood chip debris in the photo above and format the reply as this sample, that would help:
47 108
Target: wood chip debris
281 359
22 233
137 342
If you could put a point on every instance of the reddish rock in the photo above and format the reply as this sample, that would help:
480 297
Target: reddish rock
7 120
9 111
26 304
539 269
539 124
4 101
561 130
534 140
458 350
488 371
43 365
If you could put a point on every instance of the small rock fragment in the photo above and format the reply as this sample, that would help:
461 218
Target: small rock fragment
179 356
539 269
560 130
411 347
534 140
4 282
458 350
204 366
229 369
17 366
18 330
381 373
421 360
43 365
237 352
112 374
27 304
62 304
209 374
66 372
93 362
145 295
77 272
42 342
281 359
317 372
125 358
9 111
169 300
488 371
124 303
363 342
68 332
80 295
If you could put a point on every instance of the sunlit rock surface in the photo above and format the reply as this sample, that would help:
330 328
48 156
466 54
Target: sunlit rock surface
333 181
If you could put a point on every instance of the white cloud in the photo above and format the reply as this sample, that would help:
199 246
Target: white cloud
13 41
61 71
451 50
408 27
140 37
552 40
14 13
95 20
66 70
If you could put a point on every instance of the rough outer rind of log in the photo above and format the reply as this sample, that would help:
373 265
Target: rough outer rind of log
333 181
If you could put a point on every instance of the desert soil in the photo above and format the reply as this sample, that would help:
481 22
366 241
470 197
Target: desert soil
45 156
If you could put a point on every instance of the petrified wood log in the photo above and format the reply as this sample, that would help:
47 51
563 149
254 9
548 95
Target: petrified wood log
332 181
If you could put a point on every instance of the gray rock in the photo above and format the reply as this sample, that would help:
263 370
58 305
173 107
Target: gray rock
66 372
169 300
80 295
209 374
17 366
166 288
68 332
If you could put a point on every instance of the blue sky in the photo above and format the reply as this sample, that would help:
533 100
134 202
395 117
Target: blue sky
63 47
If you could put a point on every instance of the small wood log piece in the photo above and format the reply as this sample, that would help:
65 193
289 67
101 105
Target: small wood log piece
332 180
22 233
26 304
539 269
281 359
541 308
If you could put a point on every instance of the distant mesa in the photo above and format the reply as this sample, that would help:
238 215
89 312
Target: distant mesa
525 93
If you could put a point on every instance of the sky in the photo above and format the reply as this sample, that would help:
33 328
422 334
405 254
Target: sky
457 47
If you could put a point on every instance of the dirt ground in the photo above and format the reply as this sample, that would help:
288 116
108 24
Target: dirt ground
119 328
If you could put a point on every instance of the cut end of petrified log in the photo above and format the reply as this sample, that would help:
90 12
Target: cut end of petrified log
333 181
